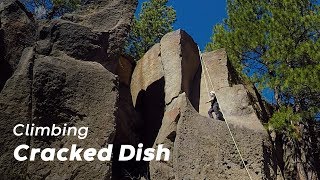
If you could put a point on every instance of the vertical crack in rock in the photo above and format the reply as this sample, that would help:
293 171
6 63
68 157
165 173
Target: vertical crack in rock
31 104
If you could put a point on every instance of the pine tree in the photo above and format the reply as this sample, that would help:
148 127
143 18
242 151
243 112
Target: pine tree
279 42
276 44
155 20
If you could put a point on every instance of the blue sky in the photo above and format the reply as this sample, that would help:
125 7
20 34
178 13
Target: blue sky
197 17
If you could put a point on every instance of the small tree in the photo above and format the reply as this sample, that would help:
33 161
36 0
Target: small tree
154 21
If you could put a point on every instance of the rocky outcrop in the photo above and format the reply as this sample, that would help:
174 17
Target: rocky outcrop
181 60
67 77
97 33
58 91
234 98
17 31
142 76
175 62
15 108
201 148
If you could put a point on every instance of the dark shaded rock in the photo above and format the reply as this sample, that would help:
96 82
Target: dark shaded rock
57 82
79 94
46 91
17 31
15 108
98 31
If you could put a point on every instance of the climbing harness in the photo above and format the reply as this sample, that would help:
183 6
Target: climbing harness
207 75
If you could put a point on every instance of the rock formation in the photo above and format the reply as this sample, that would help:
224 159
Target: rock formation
201 148
234 98
17 31
66 76
70 71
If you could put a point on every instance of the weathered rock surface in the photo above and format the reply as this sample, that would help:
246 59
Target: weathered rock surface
97 32
142 76
203 149
58 91
67 77
181 60
176 59
125 69
234 98
81 94
17 31
15 108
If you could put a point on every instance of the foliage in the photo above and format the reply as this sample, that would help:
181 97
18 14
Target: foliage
285 120
278 41
48 9
154 21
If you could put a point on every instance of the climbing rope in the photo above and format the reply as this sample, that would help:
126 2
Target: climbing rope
203 64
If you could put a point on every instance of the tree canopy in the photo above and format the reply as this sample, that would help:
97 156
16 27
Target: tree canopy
276 44
155 20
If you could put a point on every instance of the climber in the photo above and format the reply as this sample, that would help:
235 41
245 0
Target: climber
214 107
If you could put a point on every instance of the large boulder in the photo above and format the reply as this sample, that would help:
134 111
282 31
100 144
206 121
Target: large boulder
58 91
79 94
15 108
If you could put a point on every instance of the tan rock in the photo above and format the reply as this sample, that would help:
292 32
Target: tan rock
181 60
203 149
143 76
233 97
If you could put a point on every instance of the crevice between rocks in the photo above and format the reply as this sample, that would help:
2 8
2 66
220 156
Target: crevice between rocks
31 104
137 125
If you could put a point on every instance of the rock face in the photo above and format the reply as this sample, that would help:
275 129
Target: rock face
175 62
58 91
238 104
181 60
15 108
201 148
17 31
97 32
65 77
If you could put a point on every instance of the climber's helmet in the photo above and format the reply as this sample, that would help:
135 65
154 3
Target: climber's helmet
212 93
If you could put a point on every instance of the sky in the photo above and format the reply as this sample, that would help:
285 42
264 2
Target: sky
197 17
